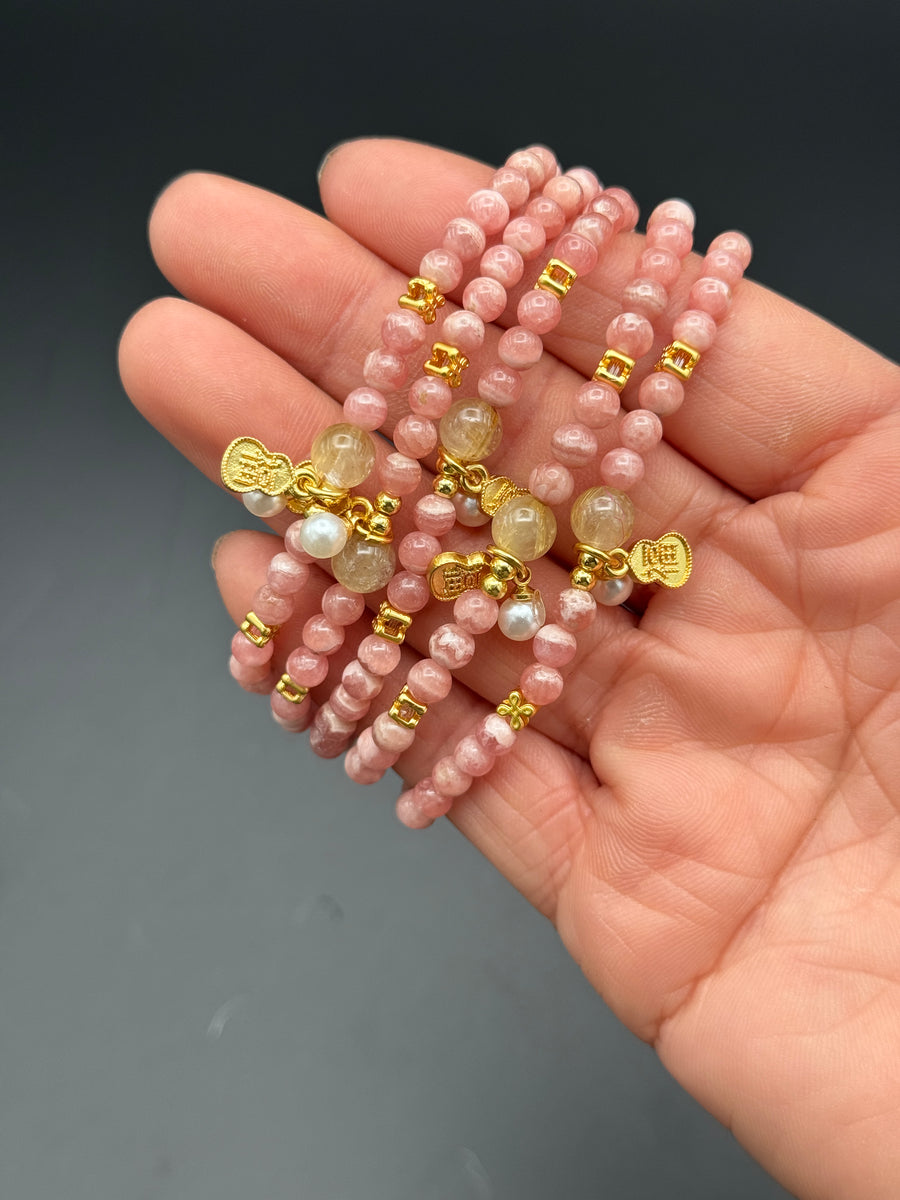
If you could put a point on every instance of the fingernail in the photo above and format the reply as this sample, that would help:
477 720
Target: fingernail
215 550
328 153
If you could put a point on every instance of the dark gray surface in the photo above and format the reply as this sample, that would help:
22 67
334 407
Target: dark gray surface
225 973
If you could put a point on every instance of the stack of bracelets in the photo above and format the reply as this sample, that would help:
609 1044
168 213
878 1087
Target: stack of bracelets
505 226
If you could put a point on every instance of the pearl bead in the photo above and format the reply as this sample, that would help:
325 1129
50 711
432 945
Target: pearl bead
343 454
602 517
323 534
469 511
262 505
520 620
364 566
611 592
470 430
525 527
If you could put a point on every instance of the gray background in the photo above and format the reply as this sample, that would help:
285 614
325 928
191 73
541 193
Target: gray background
223 972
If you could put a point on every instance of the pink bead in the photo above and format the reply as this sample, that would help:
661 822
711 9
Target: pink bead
295 717
525 234
539 311
577 609
567 193
285 575
475 612
495 735
735 243
574 444
473 758
464 238
499 385
357 770
554 646
407 592
673 210
306 668
366 407
656 262
347 706
640 430
630 334
598 230
428 681
519 348
372 754
329 733
551 483
596 404
530 165
577 252
630 211
322 636
249 655
670 235
377 655
409 813
661 393
697 329
485 297
390 736
385 371
590 184
548 212
442 267
341 606
435 514
607 206
645 296
724 265
430 802
272 607
541 685
402 331
417 550
512 185
451 647
488 209
448 777
251 679
429 396
400 475
621 468
711 295
465 330
293 545
360 683
548 158
415 436
503 264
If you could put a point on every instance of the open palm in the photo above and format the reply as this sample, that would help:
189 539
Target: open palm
711 813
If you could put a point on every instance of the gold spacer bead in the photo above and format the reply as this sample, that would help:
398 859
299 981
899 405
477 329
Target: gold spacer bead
387 504
379 525
407 710
444 486
257 631
290 690
501 569
589 560
582 579
493 587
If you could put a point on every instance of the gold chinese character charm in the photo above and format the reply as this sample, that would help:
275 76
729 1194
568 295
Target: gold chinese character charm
247 466
666 561
452 574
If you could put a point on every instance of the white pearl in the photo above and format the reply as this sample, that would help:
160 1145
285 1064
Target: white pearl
613 591
468 511
520 620
262 505
323 534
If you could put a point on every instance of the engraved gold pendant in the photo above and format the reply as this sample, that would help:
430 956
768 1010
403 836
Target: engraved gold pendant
666 561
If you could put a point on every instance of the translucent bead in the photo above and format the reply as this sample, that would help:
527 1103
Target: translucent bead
385 371
525 527
621 468
504 264
519 348
541 684
697 329
415 436
402 332
735 243
551 482
500 385
470 430
262 505
602 517
527 235
661 393
343 454
366 407
574 444
640 430
435 514
548 212
442 267
364 566
465 238
465 330
489 209
711 295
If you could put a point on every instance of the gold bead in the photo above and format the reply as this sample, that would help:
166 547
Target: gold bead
582 579
387 504
501 569
379 524
493 587
589 560
444 486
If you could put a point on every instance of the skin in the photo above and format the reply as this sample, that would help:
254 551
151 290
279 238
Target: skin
709 814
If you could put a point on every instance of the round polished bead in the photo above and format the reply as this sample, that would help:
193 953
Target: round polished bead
495 734
429 396
577 609
321 635
329 733
577 252
473 758
596 229
442 267
428 681
347 706
341 606
512 185
409 813
415 436
475 612
402 331
485 297
547 157
489 209
596 404
554 646
661 393
529 164
503 264
408 592
343 455
323 534
262 505
356 769
377 655
290 716
548 212
500 385
656 262
470 430
621 468
360 683
449 778
640 430
722 264
574 444
602 517
306 668
430 802
735 243
590 184
525 234
608 206
696 329
630 211
285 575
710 295
524 527
673 210
539 311
611 592
551 483
451 647
465 330
391 736
272 607
567 192
468 511
647 297
385 370
519 348
541 684
435 515
294 545
417 550
400 474
366 407
519 620
251 655
252 679
364 566
671 235
465 238
372 754
630 334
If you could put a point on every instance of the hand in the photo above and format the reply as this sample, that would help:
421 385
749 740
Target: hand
709 814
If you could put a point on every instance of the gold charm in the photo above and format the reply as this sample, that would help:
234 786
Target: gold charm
668 560
423 297
257 631
614 368
391 624
447 363
247 466
452 574
679 359
406 709
290 690
517 710
557 277
497 491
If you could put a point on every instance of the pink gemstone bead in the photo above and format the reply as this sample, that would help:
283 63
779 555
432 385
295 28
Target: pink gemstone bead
597 229
735 243
577 252
608 206
372 754
695 328
548 158
409 813
590 184
400 475
463 329
554 646
710 295
341 606
366 407
567 193
495 735
451 647
661 393
474 611
408 592
473 758
577 609
630 211
306 668
443 267
415 435
670 235
285 575
548 212
640 430
525 234
428 681
250 655
630 334
385 371
322 636
540 684
621 468
360 683
464 238
390 736
574 444
293 545
417 550
519 348
529 164
724 265
329 733
596 404
656 262
402 331
347 706
435 514
499 385
551 483
430 396
512 185
503 264
272 607
251 679
448 777
489 209
539 311
295 717
646 296
430 802
357 770
485 297
377 655
673 210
